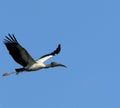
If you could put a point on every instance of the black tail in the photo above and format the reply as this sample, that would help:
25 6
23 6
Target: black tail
18 70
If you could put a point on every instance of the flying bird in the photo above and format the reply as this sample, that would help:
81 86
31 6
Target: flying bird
22 57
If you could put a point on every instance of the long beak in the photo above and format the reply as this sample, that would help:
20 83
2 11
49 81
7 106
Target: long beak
62 65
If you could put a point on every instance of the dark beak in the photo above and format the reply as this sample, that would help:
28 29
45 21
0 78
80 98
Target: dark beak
62 65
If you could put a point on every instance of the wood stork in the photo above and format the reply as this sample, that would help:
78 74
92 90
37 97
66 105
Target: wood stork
22 57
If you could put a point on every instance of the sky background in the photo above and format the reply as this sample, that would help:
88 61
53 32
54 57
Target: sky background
89 33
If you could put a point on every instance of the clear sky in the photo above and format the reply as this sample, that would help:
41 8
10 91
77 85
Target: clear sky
89 33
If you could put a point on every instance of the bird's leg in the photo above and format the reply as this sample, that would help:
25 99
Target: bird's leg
8 73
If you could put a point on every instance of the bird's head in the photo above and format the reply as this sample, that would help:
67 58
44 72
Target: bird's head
54 64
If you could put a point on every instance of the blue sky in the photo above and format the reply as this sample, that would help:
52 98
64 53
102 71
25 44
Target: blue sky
89 33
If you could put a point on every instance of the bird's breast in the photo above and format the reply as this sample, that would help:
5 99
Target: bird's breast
35 66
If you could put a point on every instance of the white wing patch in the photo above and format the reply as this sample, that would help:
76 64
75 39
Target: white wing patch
42 60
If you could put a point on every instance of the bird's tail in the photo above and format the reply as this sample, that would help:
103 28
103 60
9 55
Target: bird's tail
18 70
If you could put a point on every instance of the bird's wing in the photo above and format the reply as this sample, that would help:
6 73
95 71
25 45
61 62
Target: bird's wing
47 56
19 54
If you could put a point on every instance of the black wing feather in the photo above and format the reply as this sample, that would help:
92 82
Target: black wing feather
54 52
19 54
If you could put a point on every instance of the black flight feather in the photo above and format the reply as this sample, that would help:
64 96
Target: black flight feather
19 54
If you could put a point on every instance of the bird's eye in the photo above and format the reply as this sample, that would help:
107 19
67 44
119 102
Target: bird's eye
52 62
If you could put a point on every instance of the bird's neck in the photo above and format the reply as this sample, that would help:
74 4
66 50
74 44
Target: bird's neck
48 65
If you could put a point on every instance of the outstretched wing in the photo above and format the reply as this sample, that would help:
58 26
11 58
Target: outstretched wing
47 56
19 54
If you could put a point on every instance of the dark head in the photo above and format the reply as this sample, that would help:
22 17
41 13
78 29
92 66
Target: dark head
54 64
